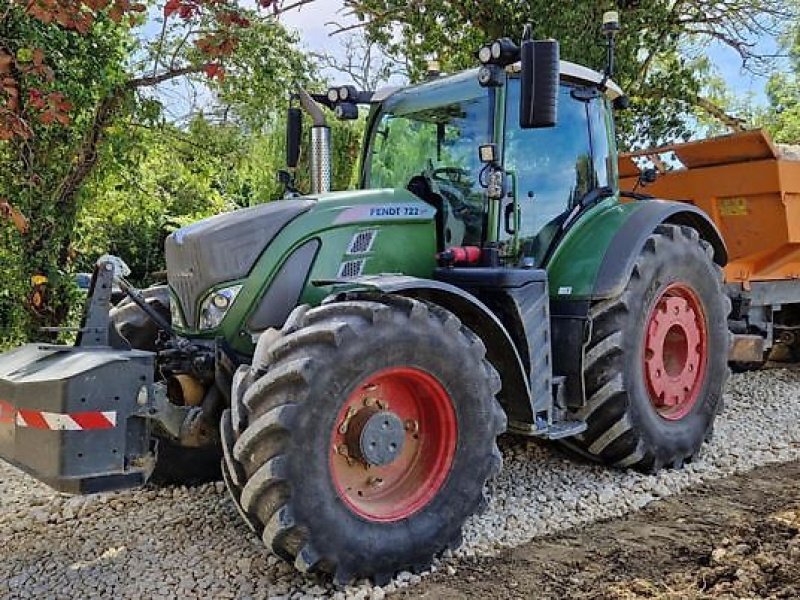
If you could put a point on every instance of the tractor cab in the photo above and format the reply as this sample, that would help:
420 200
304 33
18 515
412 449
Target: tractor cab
508 155
458 144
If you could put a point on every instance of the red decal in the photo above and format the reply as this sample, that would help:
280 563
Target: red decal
33 419
7 413
92 420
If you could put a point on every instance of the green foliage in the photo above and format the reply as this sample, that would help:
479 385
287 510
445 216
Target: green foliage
35 172
652 48
782 118
155 180
116 176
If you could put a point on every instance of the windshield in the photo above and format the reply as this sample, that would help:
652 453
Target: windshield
439 145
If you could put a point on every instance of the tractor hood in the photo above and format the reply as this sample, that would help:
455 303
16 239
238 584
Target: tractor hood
223 248
227 247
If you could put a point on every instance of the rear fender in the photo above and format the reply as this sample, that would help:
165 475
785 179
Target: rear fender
629 240
595 258
515 396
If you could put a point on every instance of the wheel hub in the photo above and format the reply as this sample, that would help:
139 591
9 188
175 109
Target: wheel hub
379 437
675 350
393 444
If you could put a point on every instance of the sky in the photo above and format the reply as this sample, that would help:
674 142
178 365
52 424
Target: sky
310 21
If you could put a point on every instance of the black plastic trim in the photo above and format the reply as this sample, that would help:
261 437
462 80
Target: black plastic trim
569 325
285 289
488 277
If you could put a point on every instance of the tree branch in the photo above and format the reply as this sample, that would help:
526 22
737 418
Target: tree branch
152 80
709 107
278 12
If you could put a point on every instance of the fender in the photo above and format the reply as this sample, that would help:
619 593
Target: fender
595 257
610 256
627 243
515 396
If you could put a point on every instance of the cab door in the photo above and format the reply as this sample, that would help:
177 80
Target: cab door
553 169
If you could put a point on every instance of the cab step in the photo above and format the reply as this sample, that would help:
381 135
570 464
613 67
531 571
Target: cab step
565 429
553 431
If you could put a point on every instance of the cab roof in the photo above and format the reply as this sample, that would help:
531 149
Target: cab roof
569 72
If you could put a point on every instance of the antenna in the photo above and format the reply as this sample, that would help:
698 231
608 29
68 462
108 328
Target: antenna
611 28
527 33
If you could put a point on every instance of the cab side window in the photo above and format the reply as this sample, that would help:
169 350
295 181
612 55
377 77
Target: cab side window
554 167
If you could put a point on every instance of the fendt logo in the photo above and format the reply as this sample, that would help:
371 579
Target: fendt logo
387 212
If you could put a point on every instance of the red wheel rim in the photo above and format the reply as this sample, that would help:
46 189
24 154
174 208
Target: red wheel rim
675 351
421 406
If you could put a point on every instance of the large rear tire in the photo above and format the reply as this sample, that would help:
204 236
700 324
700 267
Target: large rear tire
176 464
361 438
656 363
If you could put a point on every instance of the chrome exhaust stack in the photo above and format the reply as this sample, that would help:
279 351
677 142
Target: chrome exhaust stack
320 145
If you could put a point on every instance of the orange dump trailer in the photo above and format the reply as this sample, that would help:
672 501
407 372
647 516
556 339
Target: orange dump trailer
751 189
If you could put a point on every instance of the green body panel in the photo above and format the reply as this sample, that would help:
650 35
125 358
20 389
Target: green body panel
572 271
405 242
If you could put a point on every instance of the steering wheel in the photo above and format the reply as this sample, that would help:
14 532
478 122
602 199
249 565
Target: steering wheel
452 175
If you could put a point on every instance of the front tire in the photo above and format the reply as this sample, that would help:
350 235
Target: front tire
656 363
362 436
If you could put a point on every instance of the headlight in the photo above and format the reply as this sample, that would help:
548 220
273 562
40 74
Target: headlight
215 306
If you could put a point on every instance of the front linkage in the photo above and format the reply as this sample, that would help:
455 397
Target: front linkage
82 418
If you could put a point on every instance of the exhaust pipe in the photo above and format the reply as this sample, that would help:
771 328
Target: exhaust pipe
320 145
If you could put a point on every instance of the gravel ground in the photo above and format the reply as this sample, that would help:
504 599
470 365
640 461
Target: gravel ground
188 543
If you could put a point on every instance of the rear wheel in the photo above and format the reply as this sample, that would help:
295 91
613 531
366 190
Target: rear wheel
656 363
361 438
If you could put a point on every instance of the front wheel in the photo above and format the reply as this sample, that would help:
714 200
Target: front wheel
362 436
656 362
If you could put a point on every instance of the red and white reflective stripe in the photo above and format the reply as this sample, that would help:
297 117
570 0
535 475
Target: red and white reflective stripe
37 419
7 413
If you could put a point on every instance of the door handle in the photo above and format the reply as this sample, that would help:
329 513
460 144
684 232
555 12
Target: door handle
509 212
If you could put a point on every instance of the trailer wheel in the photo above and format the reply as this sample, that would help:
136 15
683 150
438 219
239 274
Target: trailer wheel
176 465
370 431
656 363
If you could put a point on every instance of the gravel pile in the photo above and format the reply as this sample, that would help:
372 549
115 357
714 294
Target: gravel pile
188 543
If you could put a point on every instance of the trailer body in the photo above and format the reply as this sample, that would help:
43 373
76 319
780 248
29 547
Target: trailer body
750 188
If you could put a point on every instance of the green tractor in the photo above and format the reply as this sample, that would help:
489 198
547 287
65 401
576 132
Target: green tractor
353 356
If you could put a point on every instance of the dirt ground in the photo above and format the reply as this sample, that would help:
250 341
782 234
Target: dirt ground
734 538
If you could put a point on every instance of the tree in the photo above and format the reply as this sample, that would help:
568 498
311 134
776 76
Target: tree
782 117
364 62
69 71
653 66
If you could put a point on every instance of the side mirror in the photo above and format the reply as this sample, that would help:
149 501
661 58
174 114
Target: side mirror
648 176
294 137
540 78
